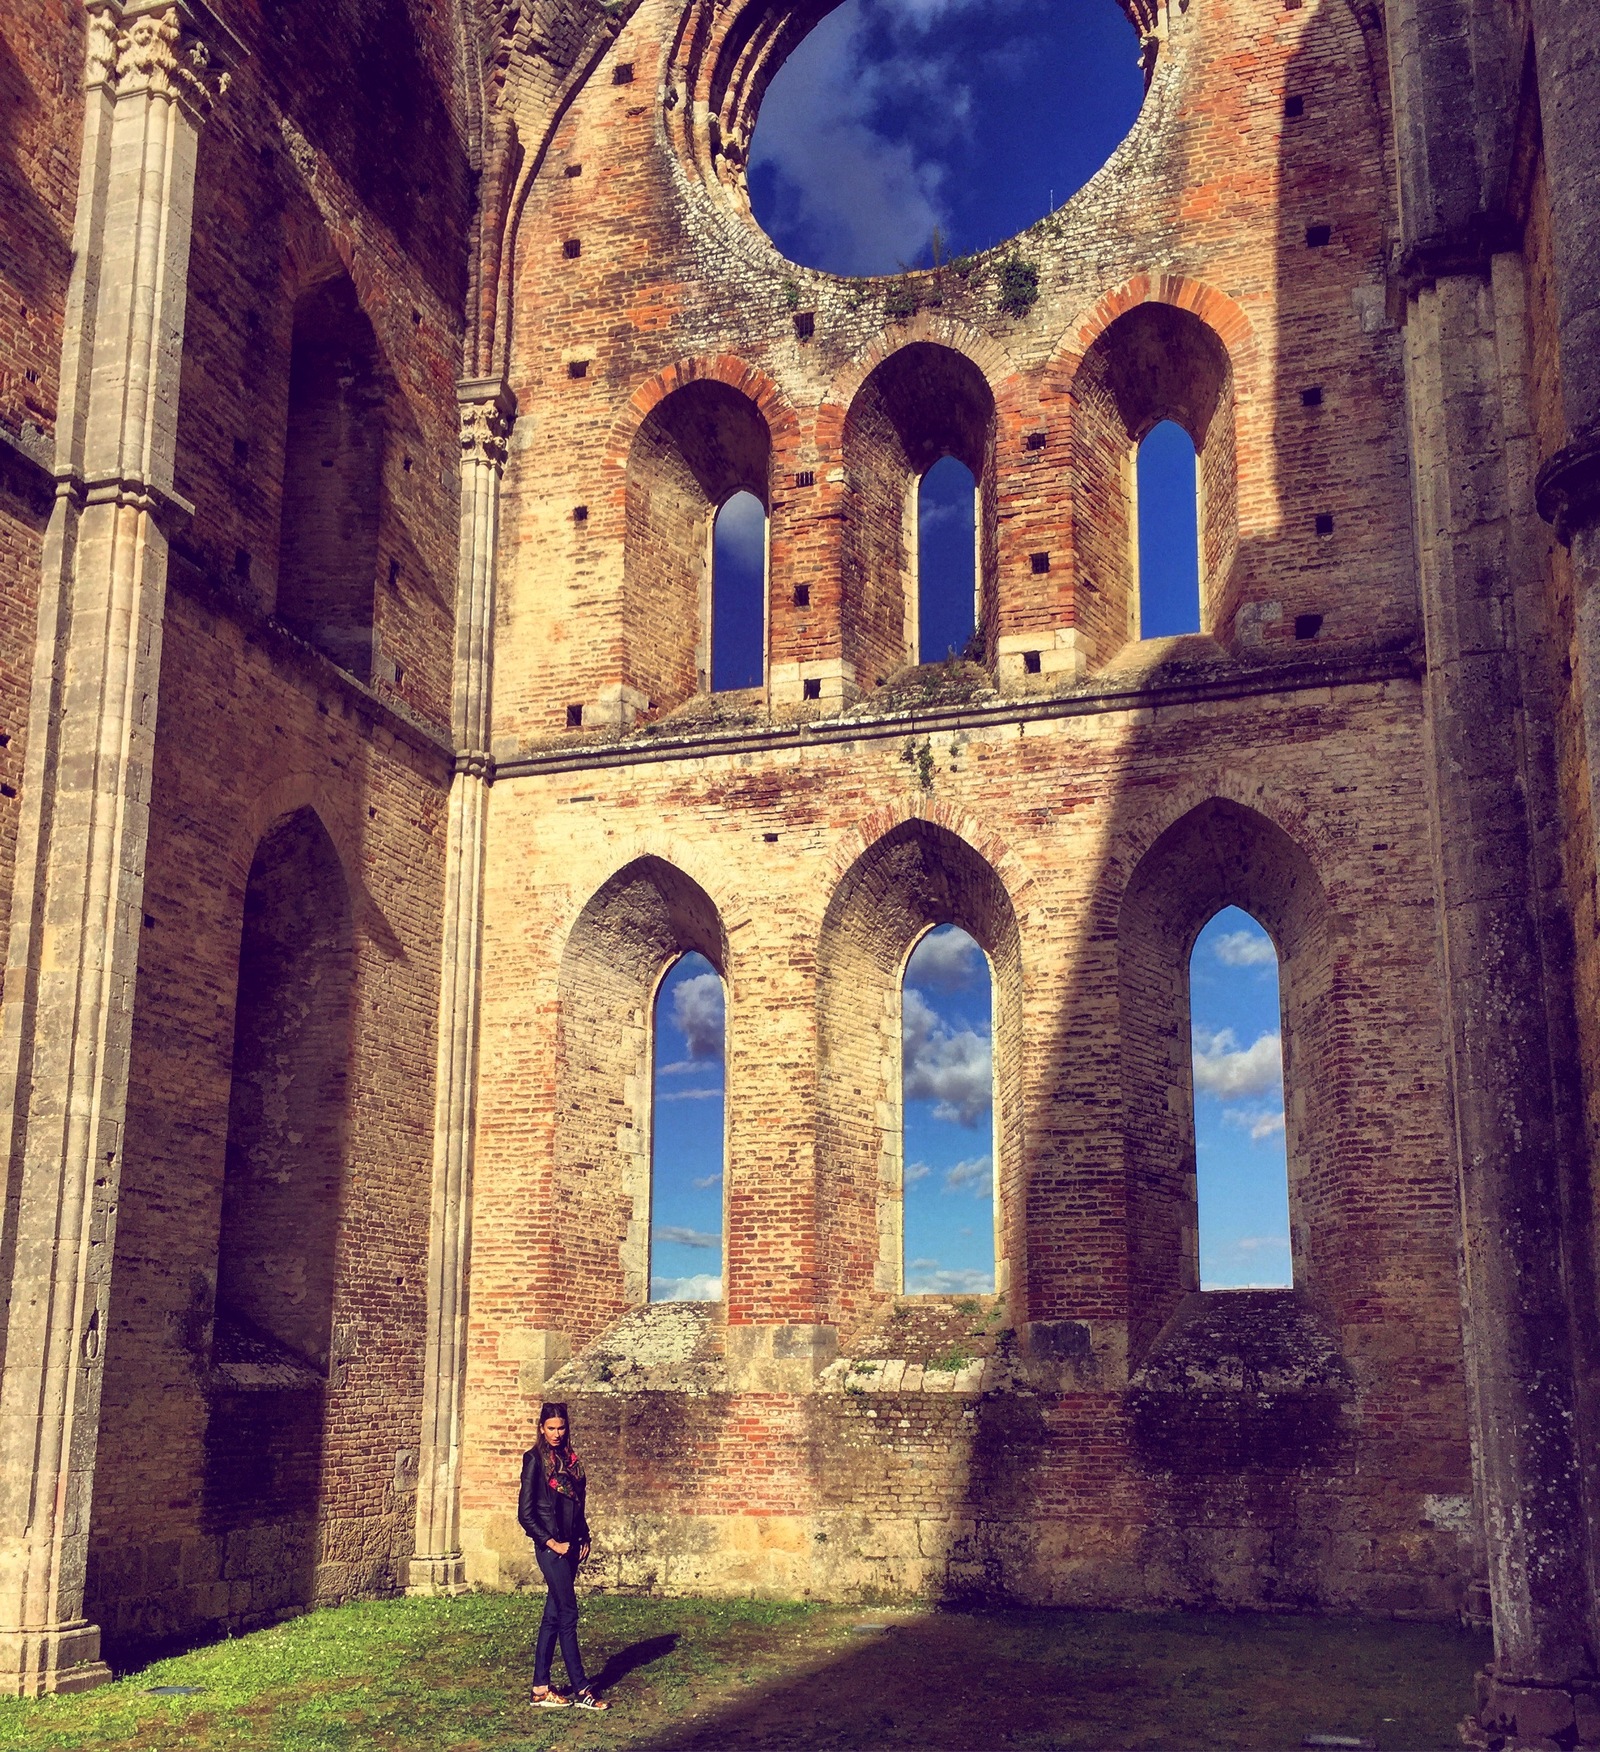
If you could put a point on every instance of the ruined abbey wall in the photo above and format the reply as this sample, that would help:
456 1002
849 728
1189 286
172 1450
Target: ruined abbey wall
370 376
1225 270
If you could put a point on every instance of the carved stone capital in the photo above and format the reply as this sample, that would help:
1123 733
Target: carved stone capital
473 763
487 411
1567 488
177 49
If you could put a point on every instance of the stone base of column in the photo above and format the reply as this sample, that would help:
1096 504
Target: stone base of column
1519 1717
430 1578
66 1657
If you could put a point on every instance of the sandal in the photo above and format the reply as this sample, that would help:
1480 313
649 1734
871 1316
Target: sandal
542 1697
586 1699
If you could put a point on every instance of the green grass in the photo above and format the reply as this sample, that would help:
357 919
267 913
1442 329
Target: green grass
430 1675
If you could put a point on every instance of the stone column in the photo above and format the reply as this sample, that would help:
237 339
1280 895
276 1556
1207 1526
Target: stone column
67 1021
486 413
1511 1142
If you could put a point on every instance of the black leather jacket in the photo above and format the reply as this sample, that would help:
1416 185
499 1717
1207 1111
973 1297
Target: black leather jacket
545 1514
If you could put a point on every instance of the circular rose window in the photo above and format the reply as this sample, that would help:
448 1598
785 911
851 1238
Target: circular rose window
900 131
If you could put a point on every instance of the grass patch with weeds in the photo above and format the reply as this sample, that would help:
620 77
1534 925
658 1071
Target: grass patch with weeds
431 1675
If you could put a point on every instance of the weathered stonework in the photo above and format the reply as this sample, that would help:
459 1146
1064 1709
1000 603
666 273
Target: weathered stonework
359 778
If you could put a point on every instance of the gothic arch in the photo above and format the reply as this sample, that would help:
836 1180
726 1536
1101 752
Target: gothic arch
917 875
1221 853
636 925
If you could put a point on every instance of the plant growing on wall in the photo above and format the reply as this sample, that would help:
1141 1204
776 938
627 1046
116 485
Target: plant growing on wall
1017 283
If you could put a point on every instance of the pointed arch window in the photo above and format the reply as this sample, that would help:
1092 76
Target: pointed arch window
1241 1166
946 595
687 1134
1168 532
738 594
947 1117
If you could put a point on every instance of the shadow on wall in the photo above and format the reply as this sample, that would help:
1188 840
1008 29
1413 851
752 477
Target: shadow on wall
271 1350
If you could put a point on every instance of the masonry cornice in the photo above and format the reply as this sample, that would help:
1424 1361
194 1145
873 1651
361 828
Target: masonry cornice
1264 681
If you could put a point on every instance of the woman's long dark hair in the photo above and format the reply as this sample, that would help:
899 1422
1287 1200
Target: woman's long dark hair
551 1408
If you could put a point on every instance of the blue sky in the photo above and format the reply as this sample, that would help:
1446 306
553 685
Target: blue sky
896 118
947 1090
1238 1105
687 1136
948 1095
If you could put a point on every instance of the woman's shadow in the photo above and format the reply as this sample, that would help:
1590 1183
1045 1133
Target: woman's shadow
632 1658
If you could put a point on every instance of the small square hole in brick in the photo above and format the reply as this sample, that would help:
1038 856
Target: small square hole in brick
1318 236
1324 523
573 170
1294 106
805 324
1031 662
1307 626
577 368
574 717
1039 562
812 690
622 73
572 248
580 513
241 450
394 573
802 596
241 562
1036 440
770 838
806 478
1311 398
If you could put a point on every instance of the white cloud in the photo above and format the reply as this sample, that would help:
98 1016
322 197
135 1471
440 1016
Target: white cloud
945 961
860 201
975 1175
916 1171
1232 1073
926 1277
697 1011
702 1287
1245 949
1260 1122
705 1180
681 1237
691 1095
953 1068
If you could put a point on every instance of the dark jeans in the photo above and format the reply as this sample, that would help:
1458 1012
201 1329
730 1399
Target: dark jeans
560 1617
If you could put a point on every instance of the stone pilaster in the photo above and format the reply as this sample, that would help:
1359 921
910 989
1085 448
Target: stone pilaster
486 414
154 70
1513 1149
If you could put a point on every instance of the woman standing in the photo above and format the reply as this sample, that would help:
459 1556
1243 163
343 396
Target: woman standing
550 1510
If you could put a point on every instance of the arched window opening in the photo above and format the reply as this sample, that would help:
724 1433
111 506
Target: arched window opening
739 594
1241 1166
1156 525
332 478
947 561
687 1135
702 451
926 411
272 1331
1169 533
947 1114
